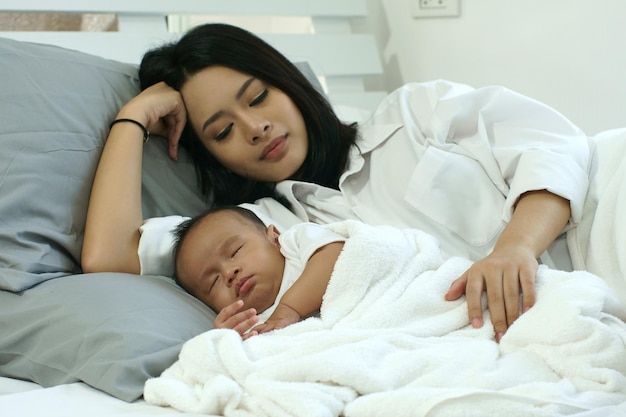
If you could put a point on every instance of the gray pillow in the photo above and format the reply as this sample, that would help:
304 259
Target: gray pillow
110 330
56 106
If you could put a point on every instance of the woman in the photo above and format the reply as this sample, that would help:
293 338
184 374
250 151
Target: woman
494 175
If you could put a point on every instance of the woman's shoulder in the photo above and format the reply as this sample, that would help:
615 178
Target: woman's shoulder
439 84
402 105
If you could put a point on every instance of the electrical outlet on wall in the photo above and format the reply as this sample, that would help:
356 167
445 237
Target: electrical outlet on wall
435 8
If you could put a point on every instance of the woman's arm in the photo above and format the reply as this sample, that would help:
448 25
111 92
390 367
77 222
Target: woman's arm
114 214
522 145
510 270
304 298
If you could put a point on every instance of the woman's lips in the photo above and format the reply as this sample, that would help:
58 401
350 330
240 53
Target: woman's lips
275 148
244 286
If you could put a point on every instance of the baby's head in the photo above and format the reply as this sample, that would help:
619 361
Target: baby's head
228 254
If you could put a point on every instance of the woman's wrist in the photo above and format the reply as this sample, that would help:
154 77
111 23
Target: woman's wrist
142 127
128 112
138 108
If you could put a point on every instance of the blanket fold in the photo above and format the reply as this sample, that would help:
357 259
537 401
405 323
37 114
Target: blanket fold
387 343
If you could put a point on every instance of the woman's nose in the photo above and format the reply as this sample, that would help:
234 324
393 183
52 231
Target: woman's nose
258 127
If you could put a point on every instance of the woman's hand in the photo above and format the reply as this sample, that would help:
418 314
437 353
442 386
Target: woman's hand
510 270
506 275
161 110
241 321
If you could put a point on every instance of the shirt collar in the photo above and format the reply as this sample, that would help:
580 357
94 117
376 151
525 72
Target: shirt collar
372 135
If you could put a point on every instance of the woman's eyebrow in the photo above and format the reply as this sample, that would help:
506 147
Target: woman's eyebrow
239 94
243 88
211 119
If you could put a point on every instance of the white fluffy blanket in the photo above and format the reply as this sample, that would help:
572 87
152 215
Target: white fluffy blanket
387 344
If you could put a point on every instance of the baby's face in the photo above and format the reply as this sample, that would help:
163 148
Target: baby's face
226 258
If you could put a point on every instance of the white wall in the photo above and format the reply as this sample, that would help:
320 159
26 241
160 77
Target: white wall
570 54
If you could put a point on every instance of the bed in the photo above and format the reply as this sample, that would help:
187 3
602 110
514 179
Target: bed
74 344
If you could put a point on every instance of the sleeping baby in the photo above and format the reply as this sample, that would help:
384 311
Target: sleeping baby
250 273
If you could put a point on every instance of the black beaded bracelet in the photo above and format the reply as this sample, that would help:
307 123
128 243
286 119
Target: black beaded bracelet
146 132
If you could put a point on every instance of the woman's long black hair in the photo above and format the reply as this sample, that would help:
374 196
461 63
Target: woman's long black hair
221 44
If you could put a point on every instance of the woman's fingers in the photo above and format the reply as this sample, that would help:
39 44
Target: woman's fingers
474 295
173 151
527 281
457 288
176 124
496 302
163 112
511 295
504 287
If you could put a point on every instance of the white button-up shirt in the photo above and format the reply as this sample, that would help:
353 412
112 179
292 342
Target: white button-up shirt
453 161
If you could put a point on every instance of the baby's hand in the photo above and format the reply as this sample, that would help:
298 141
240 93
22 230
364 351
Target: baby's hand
283 316
231 318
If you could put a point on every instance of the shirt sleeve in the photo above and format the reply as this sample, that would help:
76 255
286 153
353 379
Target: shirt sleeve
522 144
302 240
270 211
156 243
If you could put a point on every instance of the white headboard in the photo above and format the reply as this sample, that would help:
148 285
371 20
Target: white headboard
341 57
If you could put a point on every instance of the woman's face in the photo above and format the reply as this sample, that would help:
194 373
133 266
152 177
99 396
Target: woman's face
253 129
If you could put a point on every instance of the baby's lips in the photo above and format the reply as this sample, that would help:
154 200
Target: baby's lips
245 286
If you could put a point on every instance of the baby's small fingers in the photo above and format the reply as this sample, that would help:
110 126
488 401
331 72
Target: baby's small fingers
247 323
250 334
264 328
232 308
239 319
227 313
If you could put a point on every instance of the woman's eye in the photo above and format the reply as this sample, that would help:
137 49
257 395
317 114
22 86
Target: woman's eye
224 133
259 99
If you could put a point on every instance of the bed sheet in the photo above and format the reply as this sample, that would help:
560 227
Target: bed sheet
26 399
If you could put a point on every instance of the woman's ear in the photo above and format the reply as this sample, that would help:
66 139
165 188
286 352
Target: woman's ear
272 234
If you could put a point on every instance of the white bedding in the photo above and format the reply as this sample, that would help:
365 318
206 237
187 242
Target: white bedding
415 371
600 239
25 399
386 340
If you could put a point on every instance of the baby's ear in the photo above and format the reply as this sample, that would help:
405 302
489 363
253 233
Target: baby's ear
272 233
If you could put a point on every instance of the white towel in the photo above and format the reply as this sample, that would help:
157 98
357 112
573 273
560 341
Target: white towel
387 343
